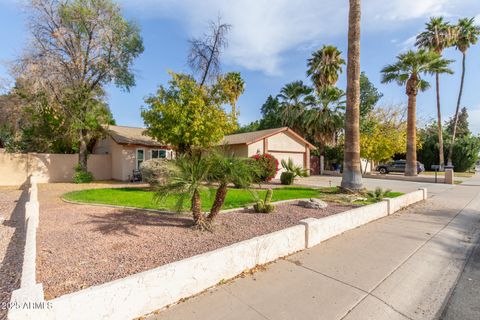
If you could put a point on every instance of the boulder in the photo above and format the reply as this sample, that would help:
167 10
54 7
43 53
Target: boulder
313 204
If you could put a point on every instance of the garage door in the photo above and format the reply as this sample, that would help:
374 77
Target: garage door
296 157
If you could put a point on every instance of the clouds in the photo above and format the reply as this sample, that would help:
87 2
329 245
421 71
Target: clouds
263 30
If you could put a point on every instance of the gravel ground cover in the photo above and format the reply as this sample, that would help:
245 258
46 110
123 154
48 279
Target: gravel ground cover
12 240
81 245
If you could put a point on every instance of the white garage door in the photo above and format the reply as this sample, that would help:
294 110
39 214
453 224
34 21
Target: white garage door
296 157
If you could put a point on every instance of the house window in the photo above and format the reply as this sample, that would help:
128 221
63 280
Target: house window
160 153
140 158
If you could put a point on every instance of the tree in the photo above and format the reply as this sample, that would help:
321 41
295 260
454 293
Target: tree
204 57
369 95
437 36
233 86
271 114
186 114
324 67
295 98
408 70
385 134
462 124
77 47
466 34
352 175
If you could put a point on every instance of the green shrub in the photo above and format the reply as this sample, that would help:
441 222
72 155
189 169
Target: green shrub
81 176
154 171
378 194
287 178
267 167
265 206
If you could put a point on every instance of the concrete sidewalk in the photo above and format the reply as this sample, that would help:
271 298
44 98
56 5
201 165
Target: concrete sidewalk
400 267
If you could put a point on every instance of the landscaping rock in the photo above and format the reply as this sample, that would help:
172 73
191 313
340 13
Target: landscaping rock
313 204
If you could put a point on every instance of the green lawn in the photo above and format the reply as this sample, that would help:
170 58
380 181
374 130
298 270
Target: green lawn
236 198
144 198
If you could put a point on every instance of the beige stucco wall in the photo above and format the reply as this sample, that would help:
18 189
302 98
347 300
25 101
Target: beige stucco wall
239 150
284 142
16 168
254 148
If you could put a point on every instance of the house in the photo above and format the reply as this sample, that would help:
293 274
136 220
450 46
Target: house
129 147
283 143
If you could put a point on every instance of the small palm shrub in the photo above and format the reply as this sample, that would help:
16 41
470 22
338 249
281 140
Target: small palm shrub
291 172
287 178
265 205
267 167
154 171
81 176
252 170
378 194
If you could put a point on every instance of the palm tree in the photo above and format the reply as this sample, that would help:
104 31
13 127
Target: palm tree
295 98
466 34
408 70
324 120
352 174
437 36
324 67
185 179
234 86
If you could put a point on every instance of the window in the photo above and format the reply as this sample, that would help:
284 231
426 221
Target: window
140 158
159 154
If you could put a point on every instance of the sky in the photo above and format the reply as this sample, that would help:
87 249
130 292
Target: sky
269 43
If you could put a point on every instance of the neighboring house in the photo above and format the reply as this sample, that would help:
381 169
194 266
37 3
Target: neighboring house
282 143
129 147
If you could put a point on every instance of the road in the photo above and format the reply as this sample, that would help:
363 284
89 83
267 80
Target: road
401 267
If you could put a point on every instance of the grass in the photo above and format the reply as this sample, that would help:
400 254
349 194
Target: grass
236 198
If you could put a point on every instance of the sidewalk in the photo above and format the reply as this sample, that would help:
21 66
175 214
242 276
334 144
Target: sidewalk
400 267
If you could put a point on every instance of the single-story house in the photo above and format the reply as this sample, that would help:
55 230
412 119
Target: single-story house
129 147
283 143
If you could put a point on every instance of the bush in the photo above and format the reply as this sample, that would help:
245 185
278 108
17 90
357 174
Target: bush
81 176
287 177
267 167
154 171
253 172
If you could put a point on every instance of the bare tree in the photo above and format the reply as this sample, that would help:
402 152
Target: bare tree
76 48
204 56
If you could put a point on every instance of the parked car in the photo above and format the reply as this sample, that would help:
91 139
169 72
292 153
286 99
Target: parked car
397 166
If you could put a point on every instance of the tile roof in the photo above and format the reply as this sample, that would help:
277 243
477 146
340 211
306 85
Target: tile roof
132 135
251 137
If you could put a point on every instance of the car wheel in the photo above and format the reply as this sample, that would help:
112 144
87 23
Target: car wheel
383 170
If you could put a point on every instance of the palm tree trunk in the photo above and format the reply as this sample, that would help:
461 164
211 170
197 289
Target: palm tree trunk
197 208
411 165
352 171
220 196
457 111
439 127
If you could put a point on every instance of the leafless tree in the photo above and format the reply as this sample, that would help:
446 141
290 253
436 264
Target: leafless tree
204 56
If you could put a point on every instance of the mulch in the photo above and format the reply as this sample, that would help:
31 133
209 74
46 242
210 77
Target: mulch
79 246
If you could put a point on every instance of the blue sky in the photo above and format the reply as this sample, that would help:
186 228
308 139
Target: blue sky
269 44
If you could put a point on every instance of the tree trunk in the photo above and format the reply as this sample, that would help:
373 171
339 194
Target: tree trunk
411 165
457 111
197 208
441 156
352 172
82 150
220 196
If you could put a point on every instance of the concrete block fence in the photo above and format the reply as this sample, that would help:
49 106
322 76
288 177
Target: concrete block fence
145 292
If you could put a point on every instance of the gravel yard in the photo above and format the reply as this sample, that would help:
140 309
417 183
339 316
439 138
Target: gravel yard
12 239
81 245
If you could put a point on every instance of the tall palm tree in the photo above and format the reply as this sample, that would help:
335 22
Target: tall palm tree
352 174
324 67
408 70
295 98
437 36
466 35
234 86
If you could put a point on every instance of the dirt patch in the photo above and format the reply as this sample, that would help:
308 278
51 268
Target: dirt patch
80 245
12 242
